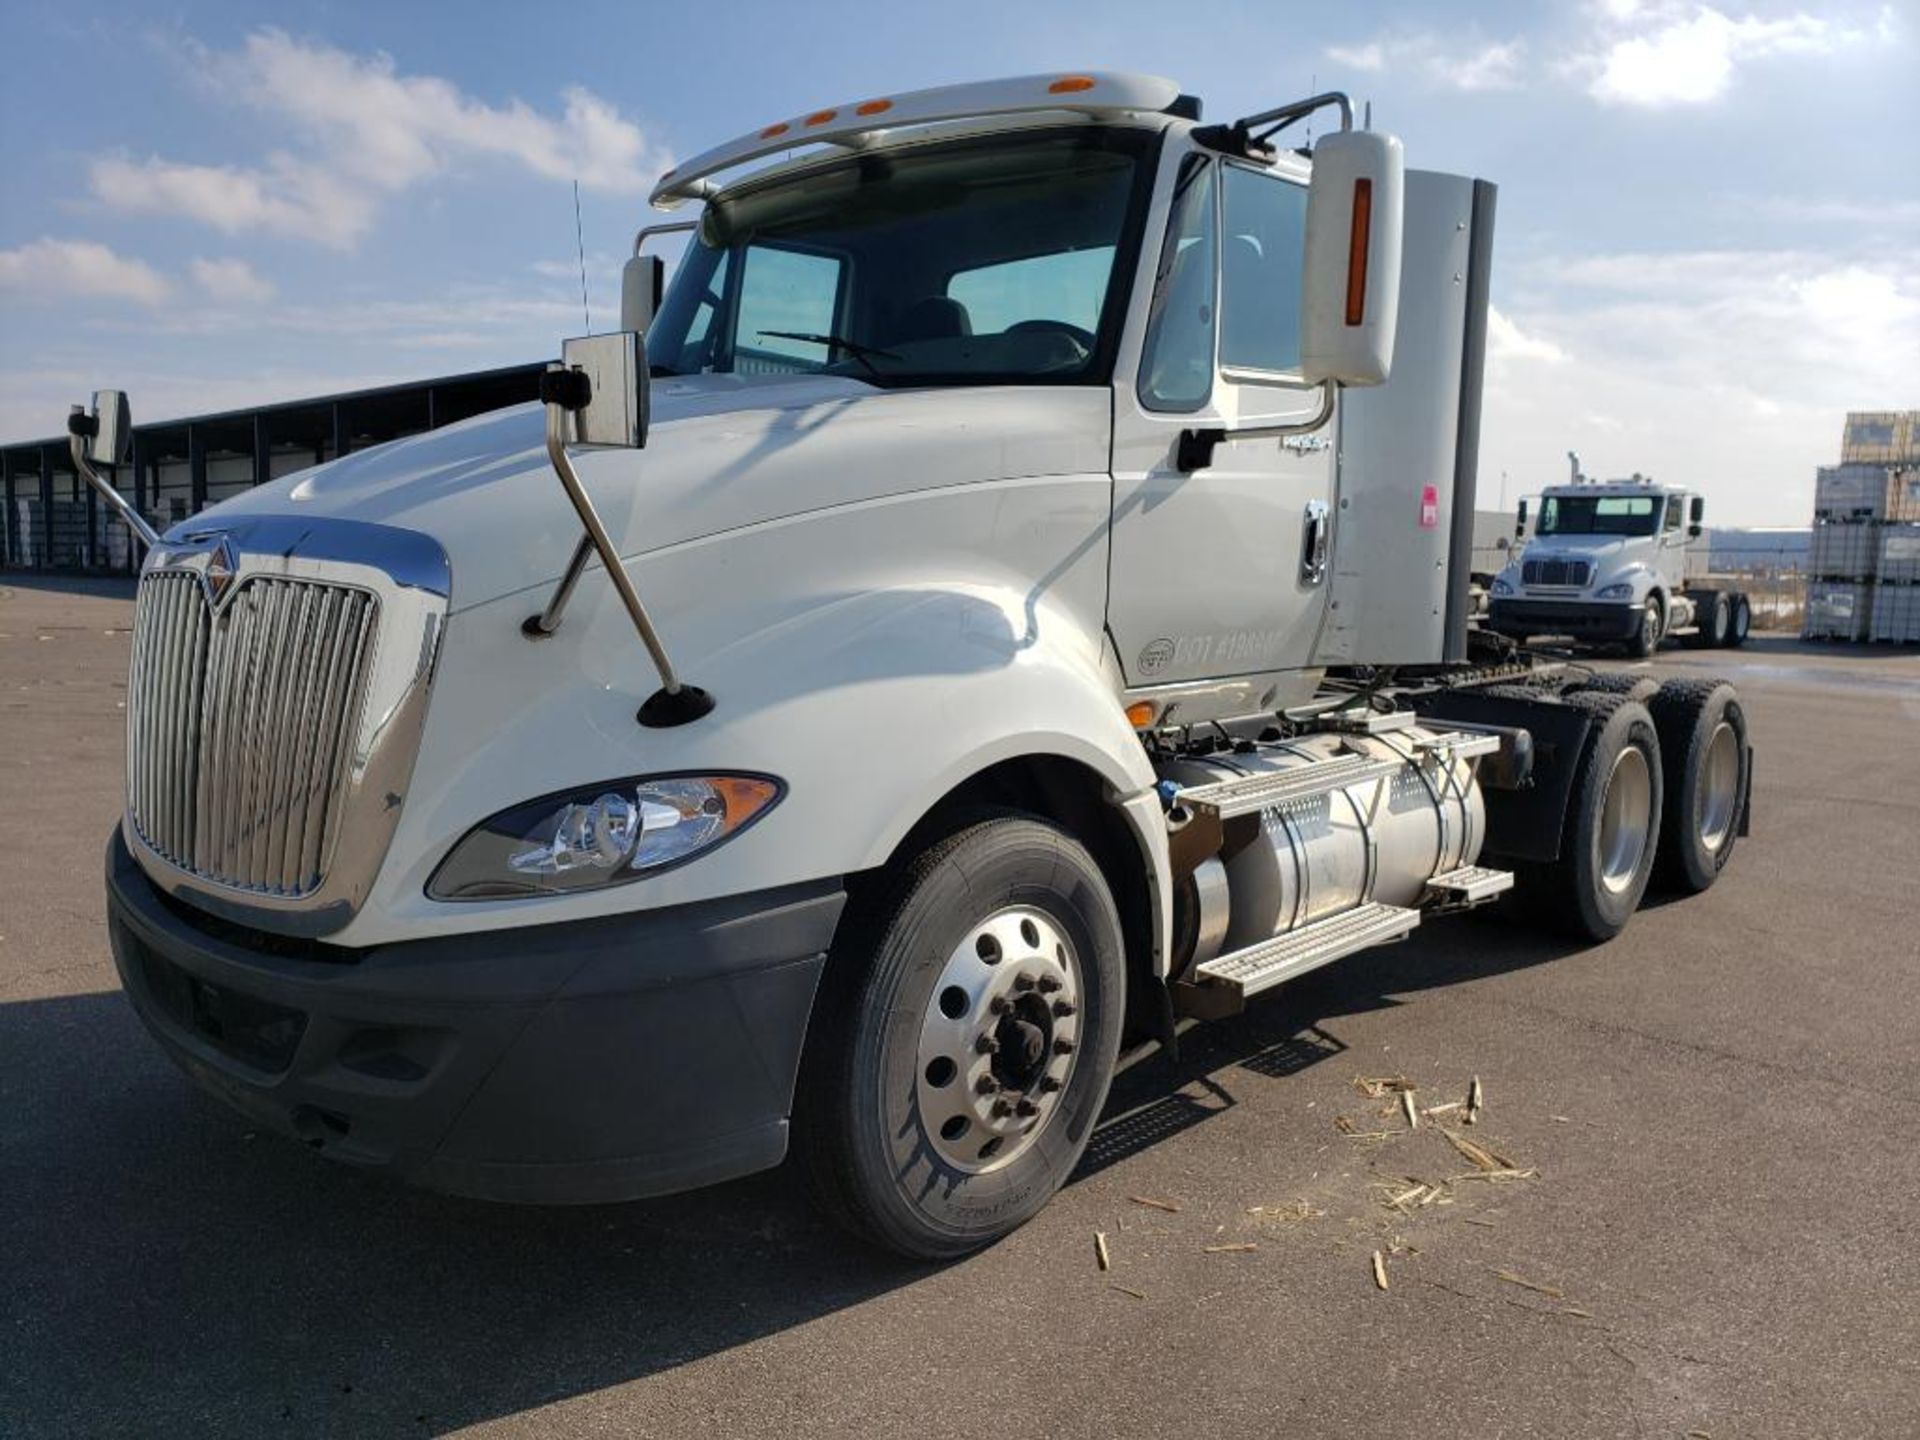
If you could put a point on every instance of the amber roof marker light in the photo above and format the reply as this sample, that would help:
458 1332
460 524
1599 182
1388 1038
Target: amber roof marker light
1070 85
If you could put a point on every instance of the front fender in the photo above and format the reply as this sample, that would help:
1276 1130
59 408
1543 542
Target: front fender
872 657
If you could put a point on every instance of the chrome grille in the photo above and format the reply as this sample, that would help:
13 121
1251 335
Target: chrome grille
1555 572
241 723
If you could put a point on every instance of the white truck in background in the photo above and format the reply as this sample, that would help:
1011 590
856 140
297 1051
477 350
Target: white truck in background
1608 566
1005 601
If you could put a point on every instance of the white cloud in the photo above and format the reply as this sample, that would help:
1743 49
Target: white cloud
286 198
1727 368
1507 343
367 132
1495 66
57 269
1370 57
1692 60
232 280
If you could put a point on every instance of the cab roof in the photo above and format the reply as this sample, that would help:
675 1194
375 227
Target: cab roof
863 124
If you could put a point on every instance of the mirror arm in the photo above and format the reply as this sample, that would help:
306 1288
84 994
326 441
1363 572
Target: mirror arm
80 427
565 391
1194 451
538 627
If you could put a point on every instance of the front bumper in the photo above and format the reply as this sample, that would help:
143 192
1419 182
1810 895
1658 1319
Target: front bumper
590 1061
1582 619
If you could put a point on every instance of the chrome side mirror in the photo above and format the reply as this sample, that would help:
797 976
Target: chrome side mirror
1520 522
613 411
111 442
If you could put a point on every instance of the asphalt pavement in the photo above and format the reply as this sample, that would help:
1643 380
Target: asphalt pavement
1710 1231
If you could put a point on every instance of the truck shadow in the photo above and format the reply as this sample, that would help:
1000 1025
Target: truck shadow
171 1271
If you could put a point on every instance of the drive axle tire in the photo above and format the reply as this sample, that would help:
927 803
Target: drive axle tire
1703 745
1611 829
1630 683
964 1039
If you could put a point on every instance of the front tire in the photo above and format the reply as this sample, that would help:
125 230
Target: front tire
1646 640
964 1040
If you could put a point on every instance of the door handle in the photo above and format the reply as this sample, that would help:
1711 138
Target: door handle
1316 531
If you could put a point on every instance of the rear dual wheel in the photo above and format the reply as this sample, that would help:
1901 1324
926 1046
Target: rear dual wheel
1705 756
964 1039
1612 825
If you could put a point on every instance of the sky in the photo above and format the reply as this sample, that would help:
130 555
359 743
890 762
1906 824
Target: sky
1708 243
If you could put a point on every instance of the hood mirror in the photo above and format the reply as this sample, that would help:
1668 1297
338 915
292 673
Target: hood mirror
104 436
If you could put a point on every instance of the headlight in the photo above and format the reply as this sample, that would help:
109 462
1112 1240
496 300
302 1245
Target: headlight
1501 587
1621 590
601 835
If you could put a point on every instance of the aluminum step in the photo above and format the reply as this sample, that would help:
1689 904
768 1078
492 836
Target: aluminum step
1461 744
1259 967
1470 884
1245 794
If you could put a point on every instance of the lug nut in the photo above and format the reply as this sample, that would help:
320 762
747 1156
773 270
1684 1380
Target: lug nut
998 1005
1048 1084
986 1084
985 1045
1049 984
1001 1109
1063 1046
1063 1008
1023 982
1026 1108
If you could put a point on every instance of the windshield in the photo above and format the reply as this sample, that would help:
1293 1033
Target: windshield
1599 515
997 259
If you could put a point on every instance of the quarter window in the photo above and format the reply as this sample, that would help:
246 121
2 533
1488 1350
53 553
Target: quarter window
1177 372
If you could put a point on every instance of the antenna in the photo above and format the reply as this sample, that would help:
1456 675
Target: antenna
580 241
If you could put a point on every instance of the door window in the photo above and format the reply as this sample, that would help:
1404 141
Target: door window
1264 229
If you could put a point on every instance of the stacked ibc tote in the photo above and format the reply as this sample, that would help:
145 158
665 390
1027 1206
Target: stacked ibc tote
1865 564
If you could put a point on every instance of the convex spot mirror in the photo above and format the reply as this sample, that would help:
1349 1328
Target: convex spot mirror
1351 279
111 442
615 367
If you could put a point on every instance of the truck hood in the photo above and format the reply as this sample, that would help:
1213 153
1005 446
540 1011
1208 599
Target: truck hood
724 452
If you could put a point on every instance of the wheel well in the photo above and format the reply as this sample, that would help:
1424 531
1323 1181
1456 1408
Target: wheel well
1074 797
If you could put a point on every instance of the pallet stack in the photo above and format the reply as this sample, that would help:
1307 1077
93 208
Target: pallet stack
1864 569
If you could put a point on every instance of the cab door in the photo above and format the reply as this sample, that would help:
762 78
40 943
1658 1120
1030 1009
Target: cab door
1219 574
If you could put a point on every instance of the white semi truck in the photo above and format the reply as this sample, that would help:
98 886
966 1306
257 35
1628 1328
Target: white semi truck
1608 565
1004 602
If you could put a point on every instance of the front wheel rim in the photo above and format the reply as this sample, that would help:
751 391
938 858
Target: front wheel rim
1625 817
1719 786
999 1040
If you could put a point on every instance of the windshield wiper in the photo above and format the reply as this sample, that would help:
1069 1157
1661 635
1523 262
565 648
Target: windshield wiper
840 342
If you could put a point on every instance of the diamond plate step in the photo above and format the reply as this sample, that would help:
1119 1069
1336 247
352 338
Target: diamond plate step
1471 884
1258 967
1245 794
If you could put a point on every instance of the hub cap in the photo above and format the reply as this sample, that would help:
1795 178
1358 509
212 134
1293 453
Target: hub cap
1624 818
1719 786
1000 1039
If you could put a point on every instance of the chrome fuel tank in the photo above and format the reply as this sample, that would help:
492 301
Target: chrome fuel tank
1379 839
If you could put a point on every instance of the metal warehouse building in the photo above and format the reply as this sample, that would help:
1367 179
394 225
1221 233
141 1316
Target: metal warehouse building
52 520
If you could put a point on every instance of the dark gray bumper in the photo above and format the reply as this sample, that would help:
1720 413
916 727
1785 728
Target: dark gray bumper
1583 620
591 1061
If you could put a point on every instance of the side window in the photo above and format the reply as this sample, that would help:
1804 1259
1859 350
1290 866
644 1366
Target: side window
1038 291
1674 507
1176 371
794 291
1264 229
